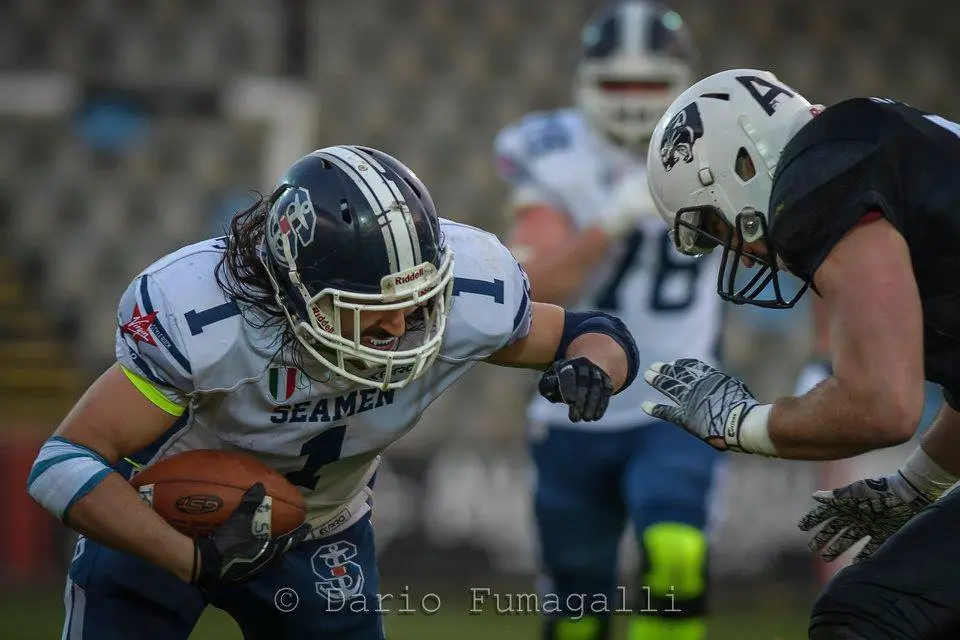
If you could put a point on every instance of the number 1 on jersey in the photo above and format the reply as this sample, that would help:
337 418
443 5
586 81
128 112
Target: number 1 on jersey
494 289
197 320
321 449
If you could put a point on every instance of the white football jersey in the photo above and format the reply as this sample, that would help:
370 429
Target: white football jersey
668 300
243 393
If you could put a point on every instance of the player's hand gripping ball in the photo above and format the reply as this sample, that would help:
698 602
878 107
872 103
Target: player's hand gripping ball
242 515
196 491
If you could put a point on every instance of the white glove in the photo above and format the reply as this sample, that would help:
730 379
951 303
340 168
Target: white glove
876 507
630 202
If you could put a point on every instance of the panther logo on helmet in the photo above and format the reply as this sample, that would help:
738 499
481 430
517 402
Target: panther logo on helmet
296 222
683 130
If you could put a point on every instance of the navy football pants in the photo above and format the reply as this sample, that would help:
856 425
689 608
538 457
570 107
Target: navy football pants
322 589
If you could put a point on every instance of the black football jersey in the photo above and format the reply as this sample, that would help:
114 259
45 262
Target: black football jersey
873 154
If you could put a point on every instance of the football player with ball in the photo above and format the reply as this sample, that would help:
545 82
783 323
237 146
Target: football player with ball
341 293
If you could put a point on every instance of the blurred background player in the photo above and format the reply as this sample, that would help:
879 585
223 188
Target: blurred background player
586 231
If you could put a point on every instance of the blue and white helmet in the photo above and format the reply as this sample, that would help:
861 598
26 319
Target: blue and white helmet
636 58
351 229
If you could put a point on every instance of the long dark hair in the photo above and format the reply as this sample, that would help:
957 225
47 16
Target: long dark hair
242 276
240 273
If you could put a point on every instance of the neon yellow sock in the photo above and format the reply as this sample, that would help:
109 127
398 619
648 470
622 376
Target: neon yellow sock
677 554
585 628
676 557
655 628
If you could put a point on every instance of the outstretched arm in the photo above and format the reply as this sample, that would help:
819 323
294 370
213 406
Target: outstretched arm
546 343
874 398
588 356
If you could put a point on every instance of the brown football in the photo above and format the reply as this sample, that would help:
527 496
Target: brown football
195 491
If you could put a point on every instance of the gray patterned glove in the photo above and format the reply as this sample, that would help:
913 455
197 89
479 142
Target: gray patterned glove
875 507
710 404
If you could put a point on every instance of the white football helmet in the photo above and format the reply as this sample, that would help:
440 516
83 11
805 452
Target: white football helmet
715 152
635 59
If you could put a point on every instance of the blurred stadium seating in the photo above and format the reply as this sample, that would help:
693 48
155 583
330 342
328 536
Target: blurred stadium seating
127 127
431 81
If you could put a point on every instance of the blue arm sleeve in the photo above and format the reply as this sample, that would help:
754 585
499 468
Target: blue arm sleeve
578 323
63 473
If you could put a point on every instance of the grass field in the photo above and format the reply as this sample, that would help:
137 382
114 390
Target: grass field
38 616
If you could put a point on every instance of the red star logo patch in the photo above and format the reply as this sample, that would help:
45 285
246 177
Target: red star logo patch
139 326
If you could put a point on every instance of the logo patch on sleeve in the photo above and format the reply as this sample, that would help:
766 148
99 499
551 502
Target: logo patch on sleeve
139 326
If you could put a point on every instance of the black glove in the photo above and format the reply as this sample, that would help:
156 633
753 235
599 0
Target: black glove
235 551
579 383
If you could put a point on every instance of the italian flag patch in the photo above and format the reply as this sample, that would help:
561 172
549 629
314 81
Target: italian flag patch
283 382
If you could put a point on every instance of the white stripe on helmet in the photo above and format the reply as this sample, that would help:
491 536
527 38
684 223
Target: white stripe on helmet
385 200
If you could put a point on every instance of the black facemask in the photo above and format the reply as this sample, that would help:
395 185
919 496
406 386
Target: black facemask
767 271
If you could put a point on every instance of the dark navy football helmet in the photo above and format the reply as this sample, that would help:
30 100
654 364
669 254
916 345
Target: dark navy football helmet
636 57
353 229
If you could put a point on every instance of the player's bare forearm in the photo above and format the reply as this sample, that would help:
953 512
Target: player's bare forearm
537 349
114 515
830 422
605 352
111 420
558 275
